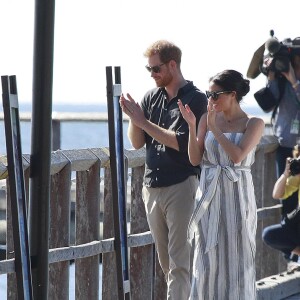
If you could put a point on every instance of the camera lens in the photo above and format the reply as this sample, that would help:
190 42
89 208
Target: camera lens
281 64
295 167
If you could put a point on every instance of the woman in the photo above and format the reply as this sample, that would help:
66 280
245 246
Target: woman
285 236
224 221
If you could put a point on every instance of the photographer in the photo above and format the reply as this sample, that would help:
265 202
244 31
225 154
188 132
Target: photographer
282 69
285 237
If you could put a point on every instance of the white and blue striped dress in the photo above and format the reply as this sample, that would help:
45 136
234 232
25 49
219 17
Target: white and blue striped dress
224 223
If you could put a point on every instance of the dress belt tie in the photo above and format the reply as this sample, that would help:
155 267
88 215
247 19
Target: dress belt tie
205 201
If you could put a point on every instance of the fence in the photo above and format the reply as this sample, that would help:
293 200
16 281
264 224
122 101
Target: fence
92 207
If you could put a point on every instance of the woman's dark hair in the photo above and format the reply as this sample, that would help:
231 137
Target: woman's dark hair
231 80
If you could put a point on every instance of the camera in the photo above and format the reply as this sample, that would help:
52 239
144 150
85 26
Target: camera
279 54
295 166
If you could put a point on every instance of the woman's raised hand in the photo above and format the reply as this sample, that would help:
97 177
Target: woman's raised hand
187 113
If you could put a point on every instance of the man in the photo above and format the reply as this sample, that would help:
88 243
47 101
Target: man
170 181
285 86
287 117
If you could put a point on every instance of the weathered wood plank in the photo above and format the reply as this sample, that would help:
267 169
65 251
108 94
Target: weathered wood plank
87 230
109 276
60 228
141 258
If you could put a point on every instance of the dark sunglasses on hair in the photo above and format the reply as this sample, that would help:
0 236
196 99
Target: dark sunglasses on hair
155 69
215 95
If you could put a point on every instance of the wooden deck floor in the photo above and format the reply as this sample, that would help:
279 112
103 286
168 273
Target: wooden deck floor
283 286
294 297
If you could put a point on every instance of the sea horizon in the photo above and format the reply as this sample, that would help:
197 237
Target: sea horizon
84 135
26 106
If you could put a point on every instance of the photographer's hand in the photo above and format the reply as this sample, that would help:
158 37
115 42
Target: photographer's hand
290 75
271 75
267 63
279 187
287 171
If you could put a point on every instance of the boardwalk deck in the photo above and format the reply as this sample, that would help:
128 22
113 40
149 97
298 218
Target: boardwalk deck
279 287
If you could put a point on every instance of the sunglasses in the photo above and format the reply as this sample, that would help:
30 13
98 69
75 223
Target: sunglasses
215 95
154 69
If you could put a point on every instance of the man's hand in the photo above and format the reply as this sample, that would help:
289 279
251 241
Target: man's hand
290 75
133 110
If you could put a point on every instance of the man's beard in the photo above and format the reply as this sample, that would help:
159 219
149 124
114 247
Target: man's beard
165 81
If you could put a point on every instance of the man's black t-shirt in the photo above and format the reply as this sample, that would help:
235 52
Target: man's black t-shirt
166 166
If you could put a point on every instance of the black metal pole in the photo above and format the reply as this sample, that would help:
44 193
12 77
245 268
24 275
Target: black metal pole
121 174
17 187
118 181
39 205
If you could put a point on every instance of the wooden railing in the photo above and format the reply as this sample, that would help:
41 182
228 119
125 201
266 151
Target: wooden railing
93 228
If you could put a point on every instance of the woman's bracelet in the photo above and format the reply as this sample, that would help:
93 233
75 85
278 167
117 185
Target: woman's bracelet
295 84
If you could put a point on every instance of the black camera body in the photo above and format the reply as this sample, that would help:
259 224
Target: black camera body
295 166
279 55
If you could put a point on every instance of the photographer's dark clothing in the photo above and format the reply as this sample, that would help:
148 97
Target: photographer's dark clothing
166 166
286 129
285 236
282 237
287 118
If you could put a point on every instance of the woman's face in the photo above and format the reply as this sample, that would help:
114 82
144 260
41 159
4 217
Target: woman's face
220 98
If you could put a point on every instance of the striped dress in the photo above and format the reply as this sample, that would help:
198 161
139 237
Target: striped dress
224 224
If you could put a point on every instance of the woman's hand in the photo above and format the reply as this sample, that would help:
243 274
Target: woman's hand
211 116
187 114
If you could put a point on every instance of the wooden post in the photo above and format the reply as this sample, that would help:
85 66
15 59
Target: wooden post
87 230
141 258
60 226
109 274
56 132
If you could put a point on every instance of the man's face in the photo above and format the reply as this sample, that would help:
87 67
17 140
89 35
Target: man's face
160 72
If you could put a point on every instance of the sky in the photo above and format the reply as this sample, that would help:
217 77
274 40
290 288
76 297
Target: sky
92 34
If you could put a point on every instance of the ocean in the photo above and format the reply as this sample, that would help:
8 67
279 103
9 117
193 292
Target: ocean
83 135
74 135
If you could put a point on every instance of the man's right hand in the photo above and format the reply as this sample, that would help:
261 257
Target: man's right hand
133 110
